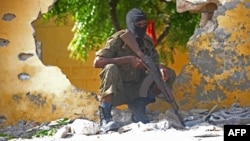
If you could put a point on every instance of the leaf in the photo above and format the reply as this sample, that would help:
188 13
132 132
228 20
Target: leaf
93 24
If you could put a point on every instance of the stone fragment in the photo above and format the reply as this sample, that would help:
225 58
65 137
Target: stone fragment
62 132
199 111
86 127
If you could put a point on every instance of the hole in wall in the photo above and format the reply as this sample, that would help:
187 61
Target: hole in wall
23 76
8 17
4 42
24 56
52 42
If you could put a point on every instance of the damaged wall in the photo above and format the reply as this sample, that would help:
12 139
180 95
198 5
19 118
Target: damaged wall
219 51
218 71
55 39
30 90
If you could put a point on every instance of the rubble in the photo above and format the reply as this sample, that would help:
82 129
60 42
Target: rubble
211 125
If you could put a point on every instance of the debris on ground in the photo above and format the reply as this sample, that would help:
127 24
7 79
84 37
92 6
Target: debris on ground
201 123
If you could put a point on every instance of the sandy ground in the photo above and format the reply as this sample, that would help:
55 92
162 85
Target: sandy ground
196 133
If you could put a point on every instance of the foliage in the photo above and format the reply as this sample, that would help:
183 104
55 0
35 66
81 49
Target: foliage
6 136
96 20
43 133
181 27
52 131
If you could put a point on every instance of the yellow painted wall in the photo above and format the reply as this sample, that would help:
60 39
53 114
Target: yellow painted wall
43 93
218 72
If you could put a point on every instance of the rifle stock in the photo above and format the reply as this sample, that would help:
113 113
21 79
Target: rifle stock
129 39
153 70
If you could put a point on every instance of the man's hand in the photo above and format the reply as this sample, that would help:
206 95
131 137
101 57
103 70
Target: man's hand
136 62
164 72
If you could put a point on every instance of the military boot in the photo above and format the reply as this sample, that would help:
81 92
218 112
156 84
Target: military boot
138 108
106 121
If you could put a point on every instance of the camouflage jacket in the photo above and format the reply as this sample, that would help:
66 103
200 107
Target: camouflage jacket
115 47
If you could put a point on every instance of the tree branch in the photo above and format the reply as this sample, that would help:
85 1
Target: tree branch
164 33
113 4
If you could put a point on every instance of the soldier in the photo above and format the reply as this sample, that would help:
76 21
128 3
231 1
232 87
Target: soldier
123 72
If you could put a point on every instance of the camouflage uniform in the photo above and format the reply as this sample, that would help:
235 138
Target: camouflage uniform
124 81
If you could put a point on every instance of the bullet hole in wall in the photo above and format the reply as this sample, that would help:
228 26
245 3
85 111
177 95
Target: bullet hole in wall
4 42
8 17
24 56
23 76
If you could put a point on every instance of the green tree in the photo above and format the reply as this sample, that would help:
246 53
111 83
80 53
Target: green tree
96 20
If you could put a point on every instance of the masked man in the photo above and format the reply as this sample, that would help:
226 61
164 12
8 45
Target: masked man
123 72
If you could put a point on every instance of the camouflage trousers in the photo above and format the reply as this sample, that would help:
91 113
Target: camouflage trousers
125 92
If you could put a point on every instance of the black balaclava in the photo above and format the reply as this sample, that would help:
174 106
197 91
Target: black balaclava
133 16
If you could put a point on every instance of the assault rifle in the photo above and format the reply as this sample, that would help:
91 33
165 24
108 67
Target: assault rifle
154 74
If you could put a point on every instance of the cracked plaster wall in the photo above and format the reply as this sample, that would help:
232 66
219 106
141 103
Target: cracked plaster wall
30 90
219 67
218 71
